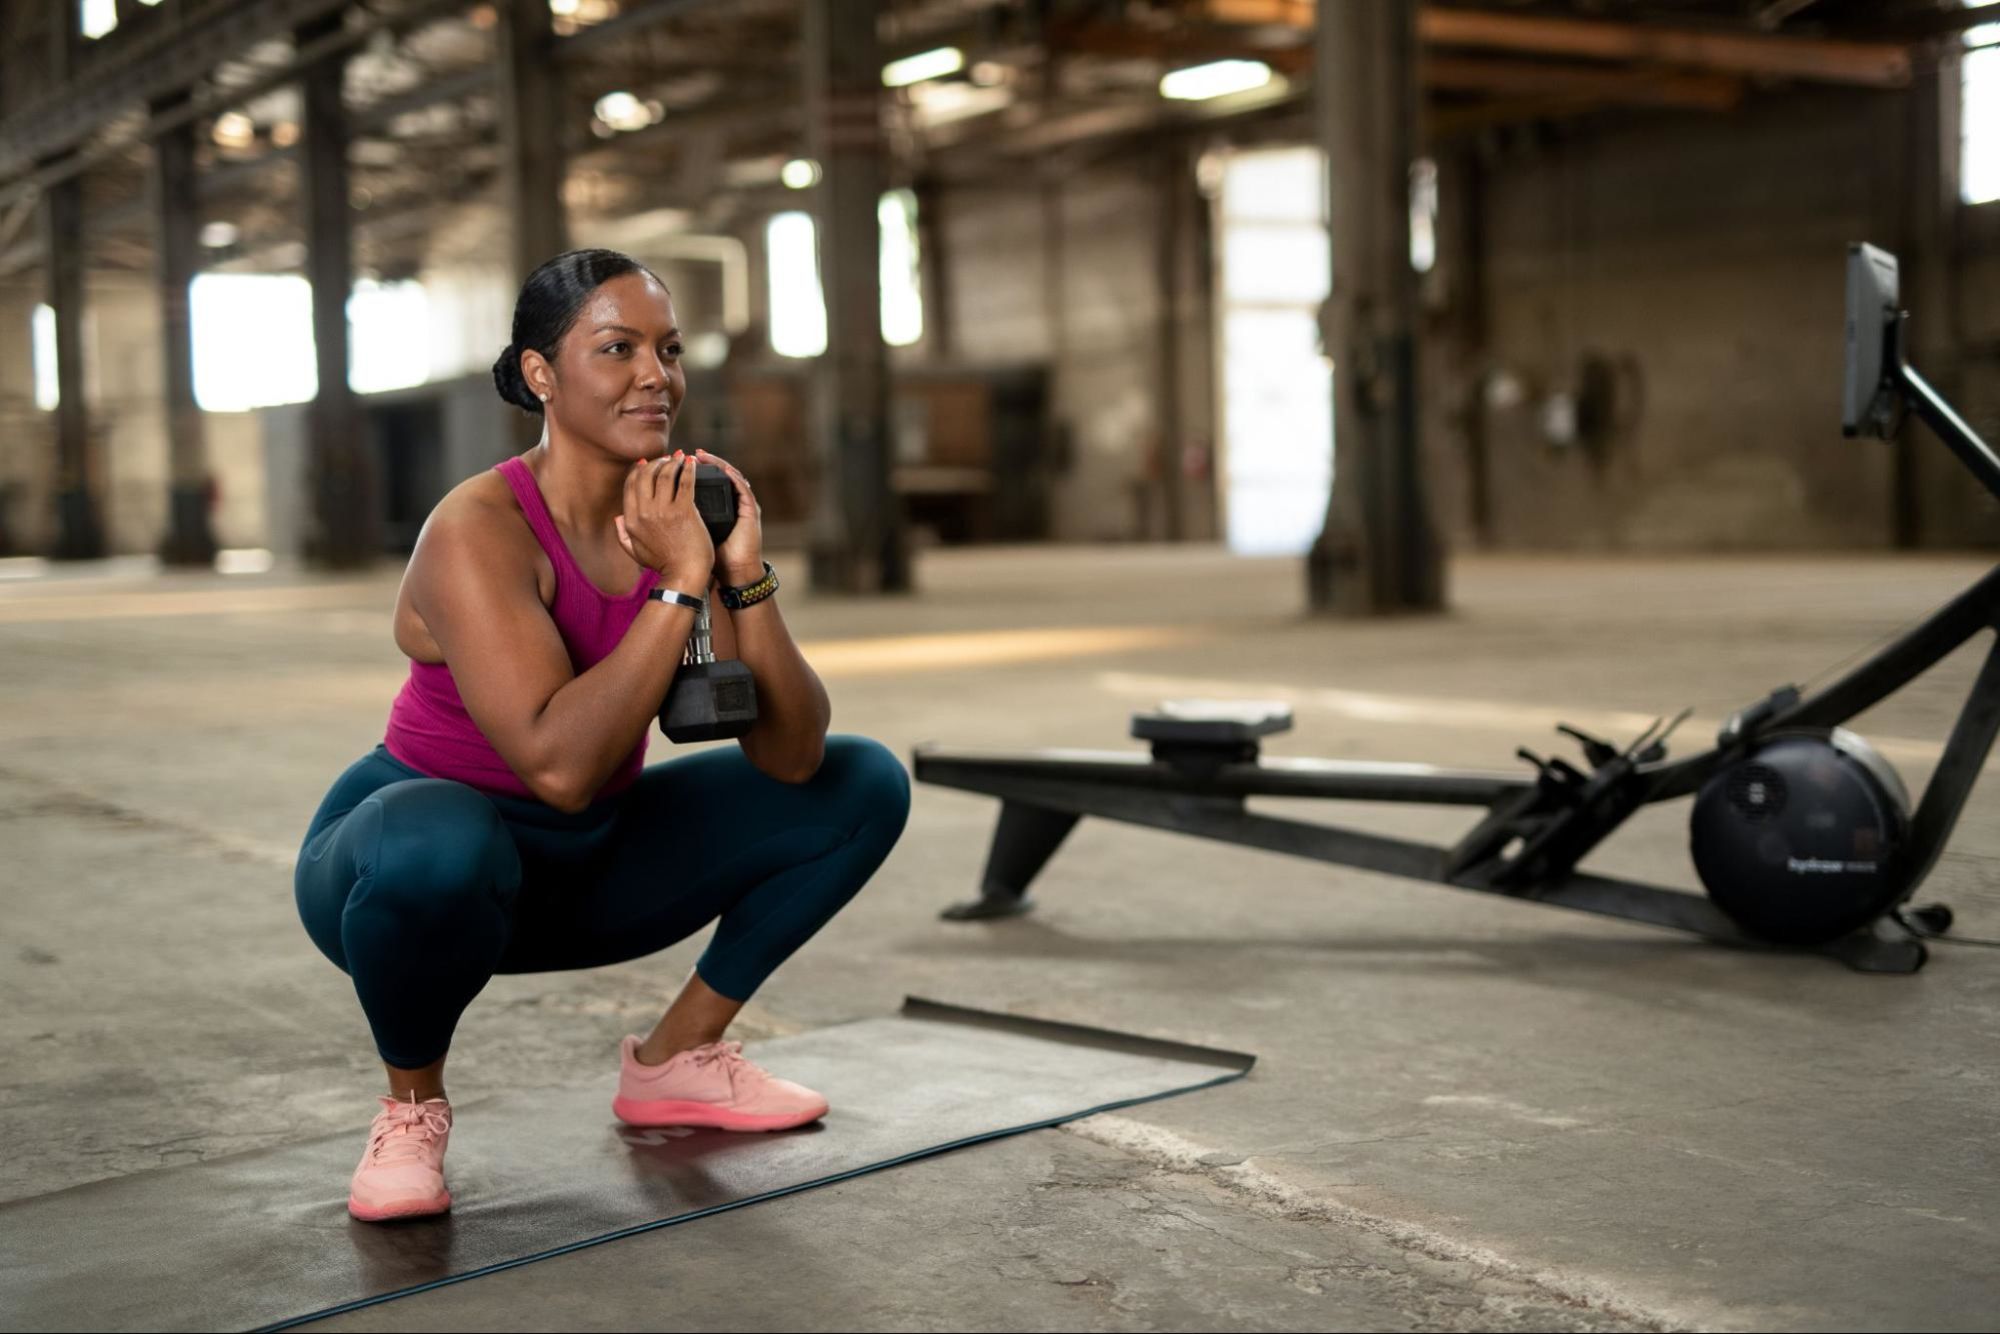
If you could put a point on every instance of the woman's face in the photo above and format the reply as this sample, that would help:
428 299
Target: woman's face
618 381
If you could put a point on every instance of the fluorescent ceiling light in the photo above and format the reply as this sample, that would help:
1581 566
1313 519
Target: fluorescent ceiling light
233 129
623 111
1215 79
942 103
99 17
926 65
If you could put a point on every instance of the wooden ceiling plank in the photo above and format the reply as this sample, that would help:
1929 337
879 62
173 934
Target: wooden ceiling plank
1644 87
1869 64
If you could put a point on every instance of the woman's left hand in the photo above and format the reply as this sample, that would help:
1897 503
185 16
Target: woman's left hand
739 560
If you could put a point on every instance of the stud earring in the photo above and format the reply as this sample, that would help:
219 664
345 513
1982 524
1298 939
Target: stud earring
544 398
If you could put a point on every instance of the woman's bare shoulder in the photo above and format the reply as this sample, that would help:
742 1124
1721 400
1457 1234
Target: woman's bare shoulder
475 545
477 533
480 512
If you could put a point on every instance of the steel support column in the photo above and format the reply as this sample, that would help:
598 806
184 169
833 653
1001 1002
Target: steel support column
1176 185
933 271
188 540
530 137
345 531
79 532
1921 212
1378 552
857 535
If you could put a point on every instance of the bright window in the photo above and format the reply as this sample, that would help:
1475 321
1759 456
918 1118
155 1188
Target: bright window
389 336
902 297
1423 214
798 306
798 303
253 342
99 17
1277 390
1979 112
42 330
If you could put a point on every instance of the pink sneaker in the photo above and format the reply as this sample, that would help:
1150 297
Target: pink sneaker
711 1086
402 1174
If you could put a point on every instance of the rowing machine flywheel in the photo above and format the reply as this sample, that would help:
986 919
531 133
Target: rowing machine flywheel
1799 841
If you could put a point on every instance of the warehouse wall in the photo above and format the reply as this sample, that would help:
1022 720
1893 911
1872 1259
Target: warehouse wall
122 379
1069 274
1697 259
1702 256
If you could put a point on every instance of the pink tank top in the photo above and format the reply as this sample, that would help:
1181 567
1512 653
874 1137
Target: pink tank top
429 729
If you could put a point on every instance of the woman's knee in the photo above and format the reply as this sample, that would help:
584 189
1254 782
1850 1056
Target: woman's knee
440 847
868 779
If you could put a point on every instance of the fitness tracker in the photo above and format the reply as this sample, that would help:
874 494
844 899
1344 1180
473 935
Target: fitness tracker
679 598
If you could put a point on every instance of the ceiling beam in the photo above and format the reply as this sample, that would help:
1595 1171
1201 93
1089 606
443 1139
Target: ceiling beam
1290 13
1868 64
1542 78
102 104
132 67
436 86
1174 46
618 30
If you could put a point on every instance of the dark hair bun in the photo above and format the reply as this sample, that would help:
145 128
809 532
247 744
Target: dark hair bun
547 306
513 387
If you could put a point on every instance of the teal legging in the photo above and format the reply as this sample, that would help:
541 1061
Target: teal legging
421 889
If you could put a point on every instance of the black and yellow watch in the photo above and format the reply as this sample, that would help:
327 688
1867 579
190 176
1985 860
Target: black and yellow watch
749 595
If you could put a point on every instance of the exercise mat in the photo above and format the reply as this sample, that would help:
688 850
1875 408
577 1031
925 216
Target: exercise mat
263 1239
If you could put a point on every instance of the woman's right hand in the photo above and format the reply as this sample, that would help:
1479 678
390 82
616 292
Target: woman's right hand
661 528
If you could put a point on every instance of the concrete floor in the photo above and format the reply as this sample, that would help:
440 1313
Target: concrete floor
1468 1113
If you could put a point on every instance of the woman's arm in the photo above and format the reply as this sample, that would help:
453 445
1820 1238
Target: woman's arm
563 734
472 580
789 737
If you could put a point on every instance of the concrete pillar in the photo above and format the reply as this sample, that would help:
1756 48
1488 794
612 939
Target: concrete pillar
1455 382
1929 503
344 530
79 532
857 532
933 273
188 540
1378 552
65 22
1201 327
1175 174
530 133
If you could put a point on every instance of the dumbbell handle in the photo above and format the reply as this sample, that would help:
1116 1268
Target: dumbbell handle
700 644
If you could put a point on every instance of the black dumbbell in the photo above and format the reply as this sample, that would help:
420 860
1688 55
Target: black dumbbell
715 501
709 700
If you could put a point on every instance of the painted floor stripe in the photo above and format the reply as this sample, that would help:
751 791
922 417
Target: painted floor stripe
192 602
891 655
